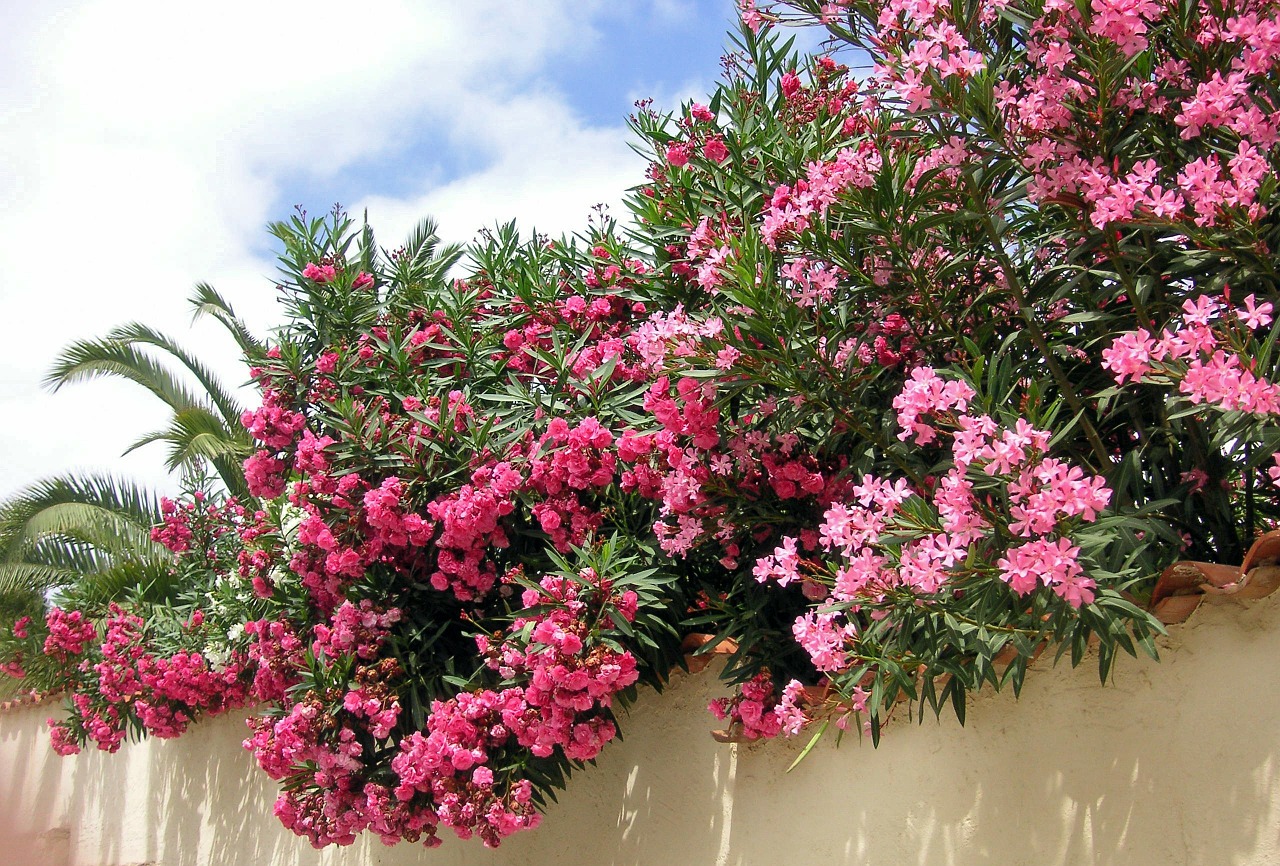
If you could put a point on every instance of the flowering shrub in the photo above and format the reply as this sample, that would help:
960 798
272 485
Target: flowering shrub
896 381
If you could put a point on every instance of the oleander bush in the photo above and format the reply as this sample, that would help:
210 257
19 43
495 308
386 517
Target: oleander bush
916 357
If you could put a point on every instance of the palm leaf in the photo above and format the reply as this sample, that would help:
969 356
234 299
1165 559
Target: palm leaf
370 258
87 537
206 301
60 529
197 435
149 582
422 265
23 579
227 405
73 504
94 359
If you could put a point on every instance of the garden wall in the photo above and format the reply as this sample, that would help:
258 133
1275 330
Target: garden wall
1176 763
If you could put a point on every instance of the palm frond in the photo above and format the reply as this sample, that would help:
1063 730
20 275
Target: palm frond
206 301
64 503
83 551
422 266
226 403
423 239
84 360
196 435
150 582
23 579
429 261
370 257
78 531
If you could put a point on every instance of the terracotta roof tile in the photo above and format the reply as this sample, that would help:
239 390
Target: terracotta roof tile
1184 585
27 699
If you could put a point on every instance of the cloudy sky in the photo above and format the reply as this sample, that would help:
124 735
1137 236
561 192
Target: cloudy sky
146 144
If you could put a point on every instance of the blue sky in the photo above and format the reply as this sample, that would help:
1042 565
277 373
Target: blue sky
664 50
146 144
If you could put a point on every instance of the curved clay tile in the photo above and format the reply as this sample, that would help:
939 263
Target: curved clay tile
1183 585
25 699
697 656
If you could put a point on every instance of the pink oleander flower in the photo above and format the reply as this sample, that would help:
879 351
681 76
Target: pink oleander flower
70 633
751 16
319 273
781 566
823 639
1255 315
1129 356
753 707
790 717
714 149
64 742
1047 563
923 394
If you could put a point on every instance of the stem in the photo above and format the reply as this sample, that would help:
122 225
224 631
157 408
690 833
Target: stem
1249 515
1035 333
1005 629
1126 280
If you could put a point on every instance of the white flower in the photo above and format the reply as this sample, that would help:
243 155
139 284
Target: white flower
291 518
217 656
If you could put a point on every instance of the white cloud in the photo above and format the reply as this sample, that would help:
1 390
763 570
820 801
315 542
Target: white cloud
674 11
545 169
146 143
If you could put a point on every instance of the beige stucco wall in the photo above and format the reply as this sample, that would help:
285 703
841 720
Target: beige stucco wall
1176 763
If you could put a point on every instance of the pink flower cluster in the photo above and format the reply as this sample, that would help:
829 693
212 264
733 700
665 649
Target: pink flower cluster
925 393
1047 563
568 677
322 273
564 680
825 638
175 532
70 633
1198 354
264 475
196 527
385 514
794 209
450 765
163 693
276 656
273 423
320 748
880 553
325 806
567 461
604 316
753 711
799 706
277 427
354 629
469 524
1053 103
180 687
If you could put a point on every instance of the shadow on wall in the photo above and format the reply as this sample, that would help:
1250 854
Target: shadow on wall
186 802
1177 763
35 823
1174 763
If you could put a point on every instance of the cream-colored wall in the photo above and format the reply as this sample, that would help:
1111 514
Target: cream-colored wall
1177 763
